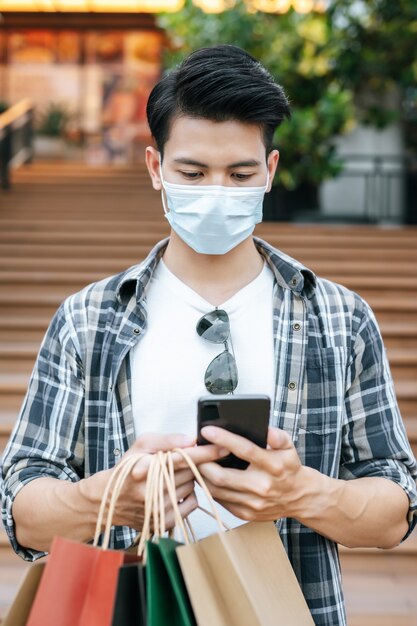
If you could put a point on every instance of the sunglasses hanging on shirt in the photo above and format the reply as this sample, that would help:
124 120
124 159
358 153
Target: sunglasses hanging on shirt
221 375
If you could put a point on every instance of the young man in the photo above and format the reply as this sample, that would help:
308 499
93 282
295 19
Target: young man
124 359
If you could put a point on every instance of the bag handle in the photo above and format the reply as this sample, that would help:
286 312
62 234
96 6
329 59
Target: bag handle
159 477
116 481
160 473
200 480
166 459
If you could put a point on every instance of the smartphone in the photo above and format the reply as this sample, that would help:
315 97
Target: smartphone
245 415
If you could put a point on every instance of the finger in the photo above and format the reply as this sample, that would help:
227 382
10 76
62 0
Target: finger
188 505
140 469
183 476
278 439
229 478
199 455
240 446
185 509
181 494
228 495
152 442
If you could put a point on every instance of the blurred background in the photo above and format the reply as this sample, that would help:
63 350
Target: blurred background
76 203
349 67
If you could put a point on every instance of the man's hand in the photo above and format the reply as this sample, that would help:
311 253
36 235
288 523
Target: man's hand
71 509
276 484
130 506
271 487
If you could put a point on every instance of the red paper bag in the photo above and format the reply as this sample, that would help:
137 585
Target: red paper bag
79 583
78 586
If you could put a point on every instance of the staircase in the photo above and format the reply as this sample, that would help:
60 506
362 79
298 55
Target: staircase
62 227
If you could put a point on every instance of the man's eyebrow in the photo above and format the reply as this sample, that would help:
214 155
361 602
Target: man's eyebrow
249 163
185 161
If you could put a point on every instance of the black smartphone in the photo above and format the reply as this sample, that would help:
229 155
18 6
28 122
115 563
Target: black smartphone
245 415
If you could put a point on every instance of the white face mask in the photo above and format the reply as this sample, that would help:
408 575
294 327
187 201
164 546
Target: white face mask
212 219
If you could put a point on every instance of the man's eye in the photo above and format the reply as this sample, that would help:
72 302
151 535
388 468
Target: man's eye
190 175
242 176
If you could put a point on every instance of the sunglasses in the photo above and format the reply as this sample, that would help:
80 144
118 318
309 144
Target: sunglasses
221 374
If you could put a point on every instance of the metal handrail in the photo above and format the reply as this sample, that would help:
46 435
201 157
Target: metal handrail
17 119
15 112
382 174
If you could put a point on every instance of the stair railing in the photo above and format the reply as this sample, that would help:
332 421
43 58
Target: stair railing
16 139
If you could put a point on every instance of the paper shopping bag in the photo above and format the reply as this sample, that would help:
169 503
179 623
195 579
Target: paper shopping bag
18 613
78 586
99 600
130 603
247 574
167 597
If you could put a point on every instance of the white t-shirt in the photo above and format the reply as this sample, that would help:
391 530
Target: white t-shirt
169 362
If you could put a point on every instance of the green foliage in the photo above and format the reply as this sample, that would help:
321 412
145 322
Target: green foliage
308 154
377 53
298 50
53 121
338 68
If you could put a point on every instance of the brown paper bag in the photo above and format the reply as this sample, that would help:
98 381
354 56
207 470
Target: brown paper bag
242 577
18 613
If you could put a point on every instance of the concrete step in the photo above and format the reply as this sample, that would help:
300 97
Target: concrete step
140 230
55 221
381 598
139 236
265 228
53 251
117 248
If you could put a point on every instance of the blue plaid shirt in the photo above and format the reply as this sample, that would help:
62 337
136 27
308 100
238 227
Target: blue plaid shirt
333 394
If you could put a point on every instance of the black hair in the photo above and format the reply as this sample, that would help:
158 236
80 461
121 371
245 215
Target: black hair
220 83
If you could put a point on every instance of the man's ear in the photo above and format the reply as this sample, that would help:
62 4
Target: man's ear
273 159
152 163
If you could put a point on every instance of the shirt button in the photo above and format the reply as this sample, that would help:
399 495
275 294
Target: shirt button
116 452
294 281
297 326
136 331
292 386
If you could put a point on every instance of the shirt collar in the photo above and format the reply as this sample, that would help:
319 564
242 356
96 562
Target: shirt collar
138 276
288 272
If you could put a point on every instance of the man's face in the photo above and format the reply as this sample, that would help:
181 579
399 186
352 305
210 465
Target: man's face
202 152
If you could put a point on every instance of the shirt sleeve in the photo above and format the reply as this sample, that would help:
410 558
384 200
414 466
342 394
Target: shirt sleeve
48 438
374 438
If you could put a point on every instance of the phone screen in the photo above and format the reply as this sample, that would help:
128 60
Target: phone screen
245 415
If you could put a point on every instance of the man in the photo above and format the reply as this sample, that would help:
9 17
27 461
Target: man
122 359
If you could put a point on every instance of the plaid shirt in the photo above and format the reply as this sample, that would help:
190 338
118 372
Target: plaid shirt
333 394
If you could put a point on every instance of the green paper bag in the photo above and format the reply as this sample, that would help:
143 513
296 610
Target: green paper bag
166 594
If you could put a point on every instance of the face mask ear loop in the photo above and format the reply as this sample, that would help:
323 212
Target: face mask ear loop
164 204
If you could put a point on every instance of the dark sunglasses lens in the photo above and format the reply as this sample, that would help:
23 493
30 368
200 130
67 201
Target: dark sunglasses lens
214 326
221 374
